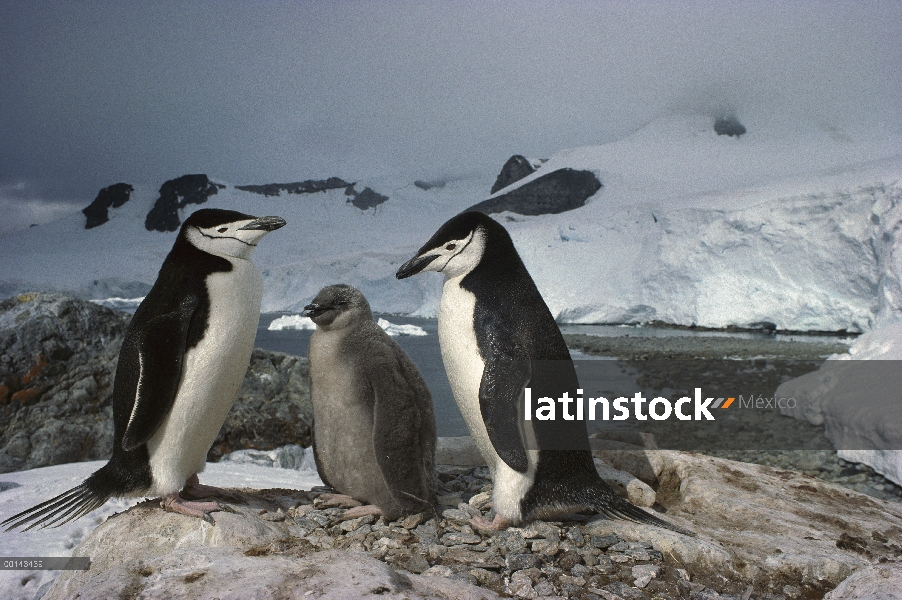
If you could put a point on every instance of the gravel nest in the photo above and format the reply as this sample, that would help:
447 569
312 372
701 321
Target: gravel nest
542 559
672 366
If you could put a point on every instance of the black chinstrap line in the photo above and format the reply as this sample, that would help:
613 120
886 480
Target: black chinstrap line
225 237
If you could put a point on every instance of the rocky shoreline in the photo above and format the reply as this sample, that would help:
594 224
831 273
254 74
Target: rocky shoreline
683 361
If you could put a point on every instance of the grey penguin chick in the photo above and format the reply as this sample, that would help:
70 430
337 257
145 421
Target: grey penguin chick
181 364
374 431
497 338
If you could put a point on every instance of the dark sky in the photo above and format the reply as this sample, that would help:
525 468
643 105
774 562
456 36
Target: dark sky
95 92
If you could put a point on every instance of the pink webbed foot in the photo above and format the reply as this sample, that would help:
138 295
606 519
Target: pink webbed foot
483 524
201 510
194 490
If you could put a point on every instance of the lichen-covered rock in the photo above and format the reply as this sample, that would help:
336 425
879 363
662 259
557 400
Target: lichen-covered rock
57 362
556 192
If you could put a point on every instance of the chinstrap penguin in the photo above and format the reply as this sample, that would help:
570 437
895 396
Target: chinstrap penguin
374 431
181 364
498 337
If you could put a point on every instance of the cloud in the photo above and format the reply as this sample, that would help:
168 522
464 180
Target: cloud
22 206
251 92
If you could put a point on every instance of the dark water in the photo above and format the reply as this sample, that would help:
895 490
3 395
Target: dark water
423 350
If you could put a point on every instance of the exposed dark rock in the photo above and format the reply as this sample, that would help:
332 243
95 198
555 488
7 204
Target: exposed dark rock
366 199
556 192
515 169
113 196
309 186
273 407
176 194
728 126
428 185
58 359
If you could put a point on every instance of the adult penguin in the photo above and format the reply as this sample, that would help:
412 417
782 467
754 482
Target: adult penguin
498 337
181 364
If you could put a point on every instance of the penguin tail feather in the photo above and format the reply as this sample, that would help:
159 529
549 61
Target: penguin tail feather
57 511
613 506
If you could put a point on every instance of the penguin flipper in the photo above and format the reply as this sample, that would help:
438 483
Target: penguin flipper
398 449
161 351
503 381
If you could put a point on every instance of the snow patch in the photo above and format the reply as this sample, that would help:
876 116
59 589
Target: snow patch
394 329
291 322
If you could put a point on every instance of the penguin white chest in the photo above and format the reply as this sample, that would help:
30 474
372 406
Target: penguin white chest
463 362
465 366
212 373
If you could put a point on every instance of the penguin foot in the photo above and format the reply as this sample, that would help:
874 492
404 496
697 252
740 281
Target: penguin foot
362 511
336 501
194 490
201 510
483 524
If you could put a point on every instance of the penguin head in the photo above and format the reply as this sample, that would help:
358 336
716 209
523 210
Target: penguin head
456 248
338 306
227 232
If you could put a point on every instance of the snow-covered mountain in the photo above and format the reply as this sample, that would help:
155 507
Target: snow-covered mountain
790 228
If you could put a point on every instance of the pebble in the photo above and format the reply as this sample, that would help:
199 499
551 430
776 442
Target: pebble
537 560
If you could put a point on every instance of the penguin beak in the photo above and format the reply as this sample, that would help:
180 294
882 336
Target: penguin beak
415 265
265 224
315 310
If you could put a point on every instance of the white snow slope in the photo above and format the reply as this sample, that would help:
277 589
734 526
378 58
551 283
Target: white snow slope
690 227
24 489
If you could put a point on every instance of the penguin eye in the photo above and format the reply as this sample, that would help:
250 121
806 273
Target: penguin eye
450 246
222 229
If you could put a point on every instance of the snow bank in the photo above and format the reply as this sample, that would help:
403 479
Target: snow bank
24 489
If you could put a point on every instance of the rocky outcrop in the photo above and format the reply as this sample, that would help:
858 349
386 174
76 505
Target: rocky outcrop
58 359
516 168
114 196
309 186
762 532
364 200
556 192
728 126
176 194
273 407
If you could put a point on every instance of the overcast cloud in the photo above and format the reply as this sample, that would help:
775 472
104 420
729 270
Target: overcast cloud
93 93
